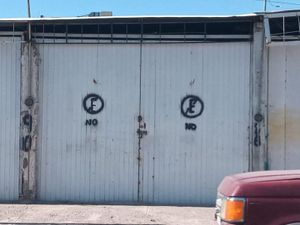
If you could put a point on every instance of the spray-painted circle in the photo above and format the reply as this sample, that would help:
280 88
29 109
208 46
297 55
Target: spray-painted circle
93 104
191 106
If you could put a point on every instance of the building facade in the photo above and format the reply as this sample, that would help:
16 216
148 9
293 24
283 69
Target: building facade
152 110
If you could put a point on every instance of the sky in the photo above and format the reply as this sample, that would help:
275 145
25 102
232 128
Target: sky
66 8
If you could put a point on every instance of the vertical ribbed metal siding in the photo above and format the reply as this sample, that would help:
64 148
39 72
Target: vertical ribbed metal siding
284 107
10 50
78 162
185 167
99 164
277 93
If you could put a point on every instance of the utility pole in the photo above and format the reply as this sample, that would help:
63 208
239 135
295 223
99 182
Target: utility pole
265 7
29 24
29 115
28 8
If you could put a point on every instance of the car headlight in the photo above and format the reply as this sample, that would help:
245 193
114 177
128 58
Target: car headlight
232 209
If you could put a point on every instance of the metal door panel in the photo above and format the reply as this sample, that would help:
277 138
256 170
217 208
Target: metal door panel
184 159
82 161
284 107
10 64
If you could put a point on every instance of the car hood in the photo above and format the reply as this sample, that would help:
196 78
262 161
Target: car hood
262 184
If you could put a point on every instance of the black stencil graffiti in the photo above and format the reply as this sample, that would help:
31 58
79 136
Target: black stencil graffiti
26 143
191 106
91 122
27 139
93 104
27 121
257 140
190 126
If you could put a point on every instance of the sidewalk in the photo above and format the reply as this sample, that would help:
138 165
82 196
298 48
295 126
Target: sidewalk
105 214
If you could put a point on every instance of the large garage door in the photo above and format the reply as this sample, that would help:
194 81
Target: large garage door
10 51
158 123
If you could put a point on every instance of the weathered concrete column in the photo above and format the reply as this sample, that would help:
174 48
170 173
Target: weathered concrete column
29 121
258 142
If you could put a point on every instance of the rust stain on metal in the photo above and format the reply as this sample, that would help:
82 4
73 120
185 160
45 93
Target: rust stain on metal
284 124
276 126
292 126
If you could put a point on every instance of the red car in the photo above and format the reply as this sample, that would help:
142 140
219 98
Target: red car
259 198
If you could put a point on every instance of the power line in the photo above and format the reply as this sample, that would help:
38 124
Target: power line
285 3
280 2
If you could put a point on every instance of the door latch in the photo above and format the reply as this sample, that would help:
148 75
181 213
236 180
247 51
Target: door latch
141 131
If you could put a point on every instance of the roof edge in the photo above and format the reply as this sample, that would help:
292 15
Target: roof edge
128 17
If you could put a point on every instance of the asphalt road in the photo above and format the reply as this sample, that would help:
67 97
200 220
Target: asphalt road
104 214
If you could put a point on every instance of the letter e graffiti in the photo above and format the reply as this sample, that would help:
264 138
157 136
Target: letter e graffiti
191 106
93 104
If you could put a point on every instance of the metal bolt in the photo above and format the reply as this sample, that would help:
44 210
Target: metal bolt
29 101
258 117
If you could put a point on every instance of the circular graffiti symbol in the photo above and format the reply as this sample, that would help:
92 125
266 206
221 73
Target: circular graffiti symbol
93 104
191 106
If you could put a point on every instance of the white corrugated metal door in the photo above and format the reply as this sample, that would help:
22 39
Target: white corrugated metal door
284 106
195 104
161 123
89 108
10 51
